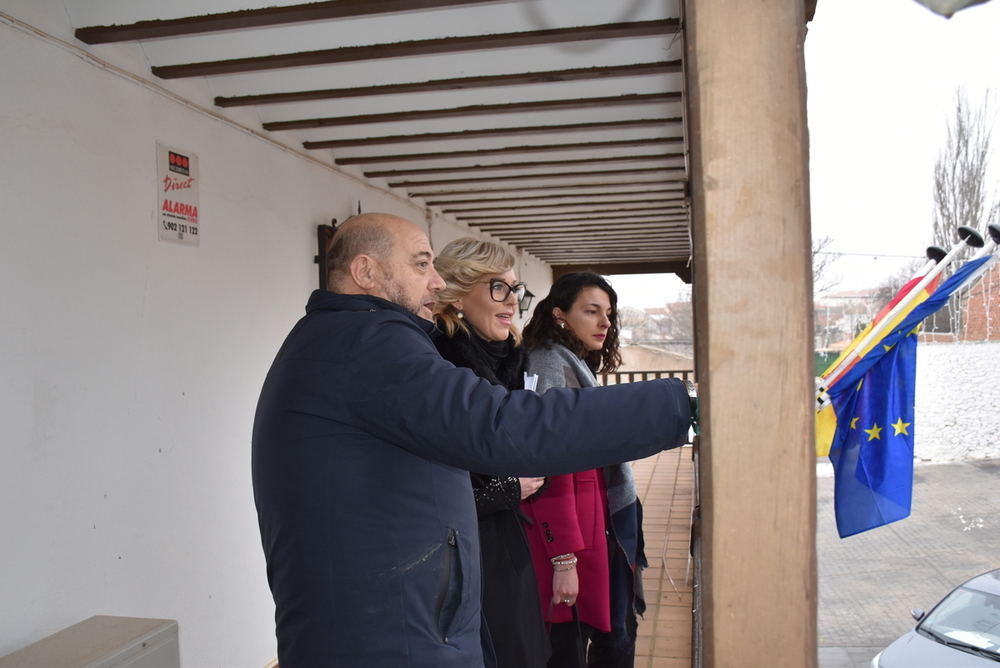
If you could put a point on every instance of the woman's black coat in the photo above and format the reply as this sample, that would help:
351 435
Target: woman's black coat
510 596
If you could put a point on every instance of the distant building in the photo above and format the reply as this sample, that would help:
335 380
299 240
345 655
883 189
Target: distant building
658 339
650 358
981 309
841 315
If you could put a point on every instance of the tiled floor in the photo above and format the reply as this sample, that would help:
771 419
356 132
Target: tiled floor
666 489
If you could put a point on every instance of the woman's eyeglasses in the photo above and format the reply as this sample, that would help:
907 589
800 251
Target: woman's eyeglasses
501 289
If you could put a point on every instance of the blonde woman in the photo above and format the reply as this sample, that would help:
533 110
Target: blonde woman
476 312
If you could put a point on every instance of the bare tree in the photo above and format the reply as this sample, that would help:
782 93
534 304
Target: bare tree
962 195
822 262
678 323
630 317
826 325
890 286
676 326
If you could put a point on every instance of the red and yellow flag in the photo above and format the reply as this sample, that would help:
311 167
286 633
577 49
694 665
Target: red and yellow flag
826 420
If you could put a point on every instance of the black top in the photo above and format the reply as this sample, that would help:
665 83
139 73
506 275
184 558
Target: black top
510 593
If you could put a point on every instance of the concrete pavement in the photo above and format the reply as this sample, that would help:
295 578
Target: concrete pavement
868 583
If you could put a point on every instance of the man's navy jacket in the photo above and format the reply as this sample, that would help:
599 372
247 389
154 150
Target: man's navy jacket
361 445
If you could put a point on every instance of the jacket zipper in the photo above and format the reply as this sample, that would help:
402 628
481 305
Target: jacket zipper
445 581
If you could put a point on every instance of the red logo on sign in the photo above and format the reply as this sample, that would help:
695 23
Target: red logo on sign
179 163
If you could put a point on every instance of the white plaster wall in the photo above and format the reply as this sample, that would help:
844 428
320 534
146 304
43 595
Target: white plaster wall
131 367
957 399
538 276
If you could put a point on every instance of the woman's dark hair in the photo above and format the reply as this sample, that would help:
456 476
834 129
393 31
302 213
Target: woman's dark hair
542 330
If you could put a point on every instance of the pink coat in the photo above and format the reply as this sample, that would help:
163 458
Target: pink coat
569 516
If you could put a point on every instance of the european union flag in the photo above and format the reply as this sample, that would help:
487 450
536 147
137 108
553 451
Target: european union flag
872 452
872 448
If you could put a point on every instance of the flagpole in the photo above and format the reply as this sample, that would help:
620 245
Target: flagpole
934 255
968 237
994 231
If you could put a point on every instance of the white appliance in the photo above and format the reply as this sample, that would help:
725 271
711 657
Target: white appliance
104 642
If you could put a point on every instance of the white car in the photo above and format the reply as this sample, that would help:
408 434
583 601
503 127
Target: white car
963 630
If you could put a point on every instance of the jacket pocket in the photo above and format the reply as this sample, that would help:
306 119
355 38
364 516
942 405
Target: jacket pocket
453 603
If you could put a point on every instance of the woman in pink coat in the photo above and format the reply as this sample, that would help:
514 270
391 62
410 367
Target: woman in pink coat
568 522
586 529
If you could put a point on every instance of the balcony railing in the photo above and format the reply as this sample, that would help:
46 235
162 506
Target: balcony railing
619 377
670 631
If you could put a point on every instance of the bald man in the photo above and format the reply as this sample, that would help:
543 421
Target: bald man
361 446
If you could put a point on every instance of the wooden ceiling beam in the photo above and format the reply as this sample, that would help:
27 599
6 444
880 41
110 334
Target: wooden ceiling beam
584 254
530 216
501 205
603 241
541 207
572 236
590 211
257 18
608 245
562 255
529 148
456 83
625 250
558 257
476 110
651 195
664 260
622 250
680 268
672 225
489 132
423 47
593 187
456 169
574 231
608 258
628 223
677 176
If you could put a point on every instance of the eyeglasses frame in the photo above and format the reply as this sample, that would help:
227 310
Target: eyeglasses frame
522 287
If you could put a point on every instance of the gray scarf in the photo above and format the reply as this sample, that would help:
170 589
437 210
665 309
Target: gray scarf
560 367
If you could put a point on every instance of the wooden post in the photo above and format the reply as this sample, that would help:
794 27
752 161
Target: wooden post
753 314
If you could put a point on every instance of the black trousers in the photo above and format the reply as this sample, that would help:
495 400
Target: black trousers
567 646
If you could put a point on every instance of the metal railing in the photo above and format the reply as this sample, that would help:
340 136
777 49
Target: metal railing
619 377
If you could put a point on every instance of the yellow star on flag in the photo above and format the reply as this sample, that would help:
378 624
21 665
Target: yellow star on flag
900 427
873 433
854 423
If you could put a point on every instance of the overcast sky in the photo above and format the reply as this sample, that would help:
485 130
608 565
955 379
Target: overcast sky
881 78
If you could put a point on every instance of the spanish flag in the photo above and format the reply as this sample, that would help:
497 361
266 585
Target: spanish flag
826 420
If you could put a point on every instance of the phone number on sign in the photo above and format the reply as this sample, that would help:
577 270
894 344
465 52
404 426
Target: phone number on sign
180 227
